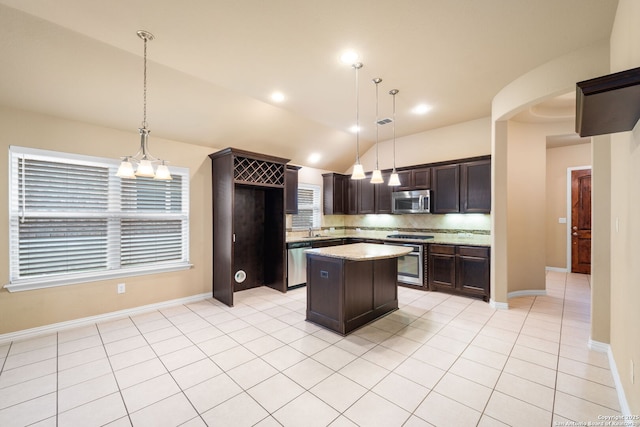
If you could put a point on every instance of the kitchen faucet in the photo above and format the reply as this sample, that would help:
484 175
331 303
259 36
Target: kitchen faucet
310 232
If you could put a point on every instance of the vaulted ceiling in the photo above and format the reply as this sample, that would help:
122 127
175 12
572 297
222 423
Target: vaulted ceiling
214 64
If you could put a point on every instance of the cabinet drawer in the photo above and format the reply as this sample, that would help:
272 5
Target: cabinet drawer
473 251
443 249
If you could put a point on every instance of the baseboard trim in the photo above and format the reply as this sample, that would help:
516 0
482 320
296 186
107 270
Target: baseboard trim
622 398
527 293
601 347
84 321
558 269
498 305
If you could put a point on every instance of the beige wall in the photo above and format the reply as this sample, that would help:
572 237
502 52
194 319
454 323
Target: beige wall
515 231
625 216
525 206
28 309
467 139
558 161
601 239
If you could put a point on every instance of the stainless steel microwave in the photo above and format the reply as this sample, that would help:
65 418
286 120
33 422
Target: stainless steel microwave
417 201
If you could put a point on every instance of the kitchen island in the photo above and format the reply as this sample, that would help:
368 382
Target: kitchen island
349 286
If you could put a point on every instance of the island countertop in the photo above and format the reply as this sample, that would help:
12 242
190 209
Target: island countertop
361 251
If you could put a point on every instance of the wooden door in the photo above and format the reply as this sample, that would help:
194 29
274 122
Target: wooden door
581 221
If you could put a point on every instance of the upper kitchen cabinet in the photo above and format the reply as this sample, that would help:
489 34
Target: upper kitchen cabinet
366 195
445 197
248 222
462 187
382 195
414 179
334 193
291 189
475 187
345 196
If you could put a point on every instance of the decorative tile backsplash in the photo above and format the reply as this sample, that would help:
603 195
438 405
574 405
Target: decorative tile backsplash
449 223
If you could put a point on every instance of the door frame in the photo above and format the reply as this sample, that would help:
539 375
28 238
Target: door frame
568 213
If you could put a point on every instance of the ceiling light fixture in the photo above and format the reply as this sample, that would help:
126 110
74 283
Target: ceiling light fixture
358 170
376 177
394 179
277 96
349 57
421 109
143 159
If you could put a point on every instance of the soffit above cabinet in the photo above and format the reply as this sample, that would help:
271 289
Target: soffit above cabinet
608 104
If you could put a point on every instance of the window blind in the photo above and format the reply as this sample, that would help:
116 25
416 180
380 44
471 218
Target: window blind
73 220
308 208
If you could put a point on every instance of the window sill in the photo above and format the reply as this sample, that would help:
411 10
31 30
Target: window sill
43 283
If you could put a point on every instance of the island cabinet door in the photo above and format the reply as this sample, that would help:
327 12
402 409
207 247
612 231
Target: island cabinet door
358 289
325 291
385 282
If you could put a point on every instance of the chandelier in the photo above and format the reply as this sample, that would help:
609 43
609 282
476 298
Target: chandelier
142 163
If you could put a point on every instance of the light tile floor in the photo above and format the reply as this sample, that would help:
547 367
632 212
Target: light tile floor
440 360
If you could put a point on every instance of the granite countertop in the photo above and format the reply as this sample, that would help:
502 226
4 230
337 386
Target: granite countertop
438 238
361 251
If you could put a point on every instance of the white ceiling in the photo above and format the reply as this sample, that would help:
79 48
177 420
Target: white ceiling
213 64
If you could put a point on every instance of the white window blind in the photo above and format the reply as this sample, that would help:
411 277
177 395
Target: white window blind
308 208
72 220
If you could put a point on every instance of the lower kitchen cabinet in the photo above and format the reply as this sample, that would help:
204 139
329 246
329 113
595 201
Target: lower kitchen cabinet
461 270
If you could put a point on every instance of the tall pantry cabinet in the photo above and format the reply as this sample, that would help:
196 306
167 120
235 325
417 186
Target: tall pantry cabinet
248 222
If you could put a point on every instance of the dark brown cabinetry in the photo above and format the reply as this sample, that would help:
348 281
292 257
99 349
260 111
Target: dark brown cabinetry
445 197
248 222
459 269
326 243
462 187
291 189
414 179
475 187
343 295
334 193
382 195
343 195
366 195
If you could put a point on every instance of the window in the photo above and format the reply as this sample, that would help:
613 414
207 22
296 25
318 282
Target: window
72 220
308 208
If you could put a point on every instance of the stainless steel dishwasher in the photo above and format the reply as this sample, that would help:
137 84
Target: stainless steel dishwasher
297 264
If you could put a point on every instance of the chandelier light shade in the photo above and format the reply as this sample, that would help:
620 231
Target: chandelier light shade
358 170
376 177
143 163
394 179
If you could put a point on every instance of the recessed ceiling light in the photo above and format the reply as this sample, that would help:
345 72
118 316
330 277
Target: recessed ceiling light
277 97
354 129
421 109
349 57
314 157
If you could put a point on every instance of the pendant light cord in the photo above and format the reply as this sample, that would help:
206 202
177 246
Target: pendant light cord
376 81
393 92
357 66
144 92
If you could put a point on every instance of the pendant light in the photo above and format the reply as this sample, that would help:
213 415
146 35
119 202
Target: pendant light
143 159
394 179
376 177
358 170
